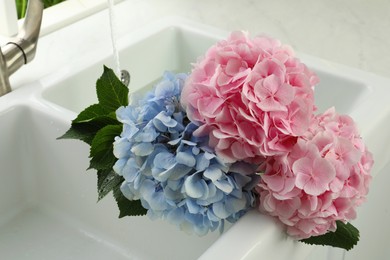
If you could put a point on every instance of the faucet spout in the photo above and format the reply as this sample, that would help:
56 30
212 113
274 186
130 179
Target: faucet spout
22 49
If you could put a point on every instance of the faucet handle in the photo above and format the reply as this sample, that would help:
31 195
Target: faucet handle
22 50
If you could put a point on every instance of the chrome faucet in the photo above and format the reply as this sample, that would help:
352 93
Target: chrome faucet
21 50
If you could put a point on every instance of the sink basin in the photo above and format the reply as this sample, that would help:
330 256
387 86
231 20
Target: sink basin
146 61
48 206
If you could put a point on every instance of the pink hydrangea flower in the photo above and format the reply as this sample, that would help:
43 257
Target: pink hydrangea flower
252 97
323 179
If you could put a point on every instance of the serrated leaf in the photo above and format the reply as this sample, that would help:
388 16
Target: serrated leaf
111 92
90 113
107 181
83 132
346 236
128 207
101 152
97 125
88 123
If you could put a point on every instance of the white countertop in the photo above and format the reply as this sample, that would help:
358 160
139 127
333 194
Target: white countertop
353 33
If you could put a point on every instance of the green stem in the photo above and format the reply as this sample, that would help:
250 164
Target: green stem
23 8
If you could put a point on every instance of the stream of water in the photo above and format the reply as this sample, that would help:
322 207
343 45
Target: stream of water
111 13
124 75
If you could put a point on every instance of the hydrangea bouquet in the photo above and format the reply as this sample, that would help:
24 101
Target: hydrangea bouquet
238 132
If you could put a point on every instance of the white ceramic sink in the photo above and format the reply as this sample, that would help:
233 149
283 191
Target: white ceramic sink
48 206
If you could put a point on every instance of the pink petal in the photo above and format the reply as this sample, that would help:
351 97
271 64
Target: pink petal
313 177
209 106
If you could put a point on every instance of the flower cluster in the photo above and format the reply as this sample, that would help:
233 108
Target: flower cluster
238 132
165 166
252 97
254 102
193 149
322 180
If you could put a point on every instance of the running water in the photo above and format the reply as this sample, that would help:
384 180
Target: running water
124 75
113 37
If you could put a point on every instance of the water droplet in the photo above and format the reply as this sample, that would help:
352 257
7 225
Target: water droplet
125 77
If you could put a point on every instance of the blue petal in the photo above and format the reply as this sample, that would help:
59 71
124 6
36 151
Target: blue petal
160 126
218 194
193 207
174 142
213 192
175 184
127 192
126 115
224 185
186 159
164 88
195 150
194 186
129 130
172 194
164 160
156 200
118 166
189 143
213 173
212 216
121 148
174 173
179 117
242 180
167 121
130 170
209 156
142 149
149 111
220 210
202 162
148 134
235 205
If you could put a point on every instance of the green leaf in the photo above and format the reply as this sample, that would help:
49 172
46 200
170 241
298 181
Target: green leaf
346 236
83 132
91 113
128 207
111 92
97 125
107 181
101 152
85 126
95 114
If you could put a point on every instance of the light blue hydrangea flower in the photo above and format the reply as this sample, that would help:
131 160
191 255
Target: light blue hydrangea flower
167 168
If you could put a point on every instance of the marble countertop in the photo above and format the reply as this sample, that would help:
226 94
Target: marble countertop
353 33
